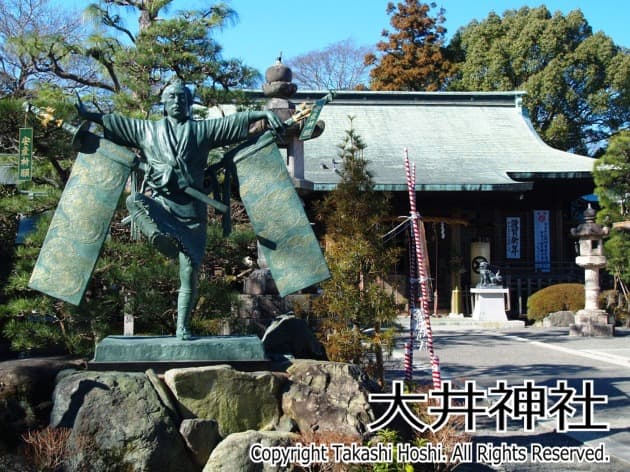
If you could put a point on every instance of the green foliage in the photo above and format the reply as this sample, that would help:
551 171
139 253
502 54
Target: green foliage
8 230
559 297
612 186
126 70
388 436
612 179
52 153
130 277
51 160
576 81
354 298
414 56
27 321
181 45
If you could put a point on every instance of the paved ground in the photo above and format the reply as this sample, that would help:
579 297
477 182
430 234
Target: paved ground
543 355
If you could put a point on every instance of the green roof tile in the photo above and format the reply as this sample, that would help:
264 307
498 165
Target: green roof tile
458 142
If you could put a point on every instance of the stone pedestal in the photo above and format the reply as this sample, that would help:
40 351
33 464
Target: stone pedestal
489 304
159 352
592 323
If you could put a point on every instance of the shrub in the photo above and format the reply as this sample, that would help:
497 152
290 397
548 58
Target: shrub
617 303
55 449
560 297
47 448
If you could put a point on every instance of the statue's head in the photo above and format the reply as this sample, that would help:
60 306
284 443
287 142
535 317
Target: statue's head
177 100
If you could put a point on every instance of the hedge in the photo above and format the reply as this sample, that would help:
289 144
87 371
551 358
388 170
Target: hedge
559 297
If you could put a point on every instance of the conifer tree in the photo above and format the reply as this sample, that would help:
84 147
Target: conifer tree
129 277
612 186
413 57
355 299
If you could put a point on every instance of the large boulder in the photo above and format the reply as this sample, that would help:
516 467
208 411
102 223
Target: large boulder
329 397
237 400
201 437
118 423
26 387
232 454
290 335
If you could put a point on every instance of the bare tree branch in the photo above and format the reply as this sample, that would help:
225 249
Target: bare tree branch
339 66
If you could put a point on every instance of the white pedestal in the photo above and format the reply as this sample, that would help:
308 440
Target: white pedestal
489 304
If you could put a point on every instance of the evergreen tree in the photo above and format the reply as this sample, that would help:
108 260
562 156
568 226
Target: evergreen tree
355 298
612 186
129 277
133 65
413 58
576 81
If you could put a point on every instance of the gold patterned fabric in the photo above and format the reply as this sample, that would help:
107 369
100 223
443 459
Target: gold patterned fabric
80 223
277 215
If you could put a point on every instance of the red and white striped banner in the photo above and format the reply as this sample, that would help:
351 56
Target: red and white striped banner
419 243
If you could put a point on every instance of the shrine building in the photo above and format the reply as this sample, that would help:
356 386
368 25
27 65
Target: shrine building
487 186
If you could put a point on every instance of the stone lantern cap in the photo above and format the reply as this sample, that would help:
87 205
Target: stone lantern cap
589 229
278 81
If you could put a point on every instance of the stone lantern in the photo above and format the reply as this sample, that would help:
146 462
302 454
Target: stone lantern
591 321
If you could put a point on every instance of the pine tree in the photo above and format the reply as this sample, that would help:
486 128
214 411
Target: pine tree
355 299
128 278
612 186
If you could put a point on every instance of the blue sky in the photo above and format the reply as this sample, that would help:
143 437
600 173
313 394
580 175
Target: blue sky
298 26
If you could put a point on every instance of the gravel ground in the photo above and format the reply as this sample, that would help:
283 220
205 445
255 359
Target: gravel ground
10 462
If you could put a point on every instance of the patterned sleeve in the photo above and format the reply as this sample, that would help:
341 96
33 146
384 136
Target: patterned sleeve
124 131
226 130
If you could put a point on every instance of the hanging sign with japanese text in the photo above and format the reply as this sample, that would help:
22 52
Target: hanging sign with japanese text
542 250
512 237
25 164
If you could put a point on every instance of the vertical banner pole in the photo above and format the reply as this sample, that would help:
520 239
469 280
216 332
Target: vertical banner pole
419 239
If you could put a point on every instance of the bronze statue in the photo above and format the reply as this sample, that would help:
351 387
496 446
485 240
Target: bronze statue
175 149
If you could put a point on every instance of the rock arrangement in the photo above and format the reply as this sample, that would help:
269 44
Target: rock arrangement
204 418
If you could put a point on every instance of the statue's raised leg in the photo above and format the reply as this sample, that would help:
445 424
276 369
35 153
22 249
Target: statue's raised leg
139 210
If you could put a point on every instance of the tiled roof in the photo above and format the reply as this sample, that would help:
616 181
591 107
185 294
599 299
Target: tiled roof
458 141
